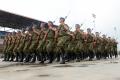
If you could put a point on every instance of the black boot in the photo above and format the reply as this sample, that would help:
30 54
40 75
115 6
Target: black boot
50 57
12 57
21 57
17 57
33 58
5 57
63 58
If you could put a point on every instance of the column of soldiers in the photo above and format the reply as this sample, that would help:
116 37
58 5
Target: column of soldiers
49 43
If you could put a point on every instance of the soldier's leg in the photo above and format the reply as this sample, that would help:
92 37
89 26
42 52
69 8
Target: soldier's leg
38 56
67 56
8 56
12 56
22 56
33 57
91 55
58 56
28 57
42 55
115 52
77 57
17 56
73 55
62 56
5 56
110 54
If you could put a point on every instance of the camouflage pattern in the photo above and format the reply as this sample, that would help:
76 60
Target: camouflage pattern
59 43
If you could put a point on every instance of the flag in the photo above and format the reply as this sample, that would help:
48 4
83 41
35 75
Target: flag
93 15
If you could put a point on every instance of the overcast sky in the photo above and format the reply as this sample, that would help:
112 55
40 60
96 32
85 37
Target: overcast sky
79 11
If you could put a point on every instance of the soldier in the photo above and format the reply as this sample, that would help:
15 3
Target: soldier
63 36
17 42
89 41
41 44
28 40
10 50
109 47
5 43
21 45
79 43
97 45
115 48
34 43
50 38
104 46
9 45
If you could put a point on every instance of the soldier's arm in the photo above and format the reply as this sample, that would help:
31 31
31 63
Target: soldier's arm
56 32
35 31
5 40
45 36
71 34
66 27
22 34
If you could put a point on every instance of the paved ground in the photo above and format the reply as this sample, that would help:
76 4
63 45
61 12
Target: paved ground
87 70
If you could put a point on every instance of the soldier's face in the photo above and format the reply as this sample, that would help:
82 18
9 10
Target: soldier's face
61 20
104 36
33 27
97 34
77 28
49 24
89 31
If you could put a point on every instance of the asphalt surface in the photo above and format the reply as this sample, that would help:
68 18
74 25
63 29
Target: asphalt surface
86 70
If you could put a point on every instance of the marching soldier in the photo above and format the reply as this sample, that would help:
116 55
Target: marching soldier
5 43
79 43
63 36
41 44
28 40
17 42
21 45
34 43
89 42
104 46
97 45
115 48
10 50
51 37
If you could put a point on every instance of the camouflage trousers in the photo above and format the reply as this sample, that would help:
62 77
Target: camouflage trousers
41 46
78 46
33 46
61 44
50 45
26 47
21 46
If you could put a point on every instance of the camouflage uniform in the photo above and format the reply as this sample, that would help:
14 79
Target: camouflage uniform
104 47
21 47
90 46
26 50
17 42
97 47
34 45
115 48
63 37
10 50
5 48
79 45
